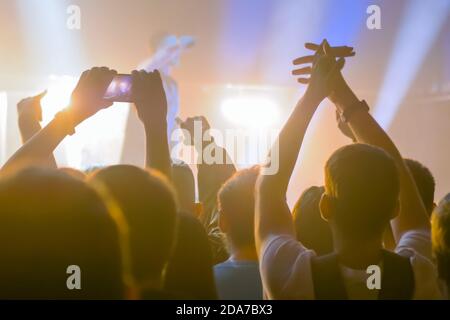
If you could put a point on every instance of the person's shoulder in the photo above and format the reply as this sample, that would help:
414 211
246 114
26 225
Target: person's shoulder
416 245
282 241
286 268
415 242
426 278
223 265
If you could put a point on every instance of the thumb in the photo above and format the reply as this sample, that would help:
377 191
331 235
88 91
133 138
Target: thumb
41 95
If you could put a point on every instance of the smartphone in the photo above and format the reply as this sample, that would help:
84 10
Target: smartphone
120 89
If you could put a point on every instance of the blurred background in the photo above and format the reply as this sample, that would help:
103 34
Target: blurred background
241 62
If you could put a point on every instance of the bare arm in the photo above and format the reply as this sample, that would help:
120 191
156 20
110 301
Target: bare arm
273 216
151 104
39 149
29 115
366 130
87 99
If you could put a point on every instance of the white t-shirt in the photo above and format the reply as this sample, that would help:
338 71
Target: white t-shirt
286 269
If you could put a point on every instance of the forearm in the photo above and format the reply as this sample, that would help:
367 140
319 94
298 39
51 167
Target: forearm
27 130
366 130
273 214
38 149
157 148
289 142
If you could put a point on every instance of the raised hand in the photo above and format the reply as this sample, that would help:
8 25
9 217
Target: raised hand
324 72
150 97
189 125
88 96
338 52
29 109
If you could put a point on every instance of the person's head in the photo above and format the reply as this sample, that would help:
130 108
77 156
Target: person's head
184 183
77 174
424 181
49 222
190 269
440 223
236 203
313 231
361 193
147 201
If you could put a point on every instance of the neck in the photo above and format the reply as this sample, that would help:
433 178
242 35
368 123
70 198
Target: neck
247 253
359 254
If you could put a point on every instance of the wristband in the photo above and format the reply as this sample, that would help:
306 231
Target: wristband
347 113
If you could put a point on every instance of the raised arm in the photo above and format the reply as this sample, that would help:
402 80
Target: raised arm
210 176
151 104
29 114
412 214
273 216
87 99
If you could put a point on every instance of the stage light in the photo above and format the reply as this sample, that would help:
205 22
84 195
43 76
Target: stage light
99 139
250 111
420 26
58 95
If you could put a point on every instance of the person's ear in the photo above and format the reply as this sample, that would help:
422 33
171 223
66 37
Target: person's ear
223 225
326 206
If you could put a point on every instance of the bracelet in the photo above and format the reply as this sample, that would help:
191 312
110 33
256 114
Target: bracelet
347 113
65 119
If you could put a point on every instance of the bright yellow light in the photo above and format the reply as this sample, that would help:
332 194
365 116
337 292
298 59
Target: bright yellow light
98 140
250 111
58 95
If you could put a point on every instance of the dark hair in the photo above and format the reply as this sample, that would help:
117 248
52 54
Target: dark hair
148 204
312 230
424 181
440 223
184 183
190 269
51 221
236 202
363 181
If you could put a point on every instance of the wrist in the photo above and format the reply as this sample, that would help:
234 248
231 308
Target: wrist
64 120
153 126
311 99
344 98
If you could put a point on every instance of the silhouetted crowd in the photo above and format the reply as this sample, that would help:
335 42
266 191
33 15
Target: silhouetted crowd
371 231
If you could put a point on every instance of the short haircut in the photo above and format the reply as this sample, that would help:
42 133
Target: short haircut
147 201
236 199
424 181
363 181
312 230
440 223
50 221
